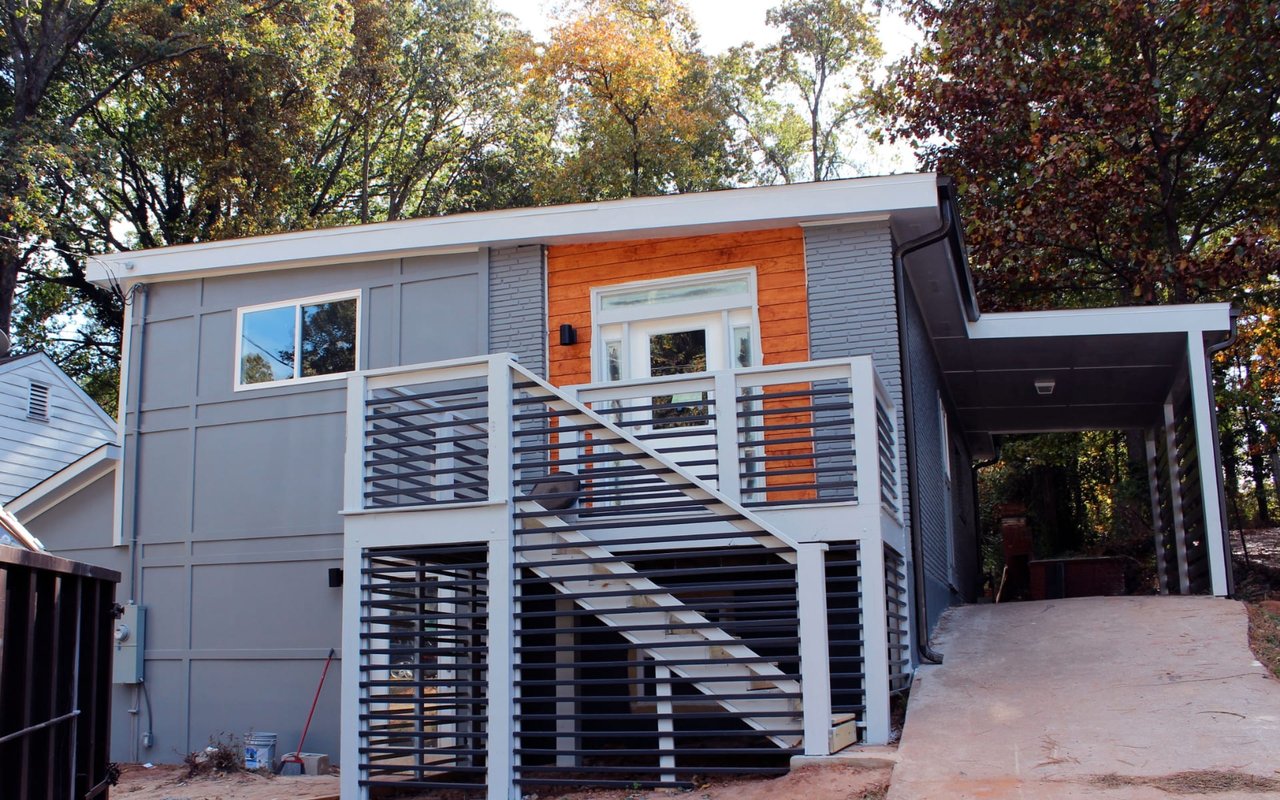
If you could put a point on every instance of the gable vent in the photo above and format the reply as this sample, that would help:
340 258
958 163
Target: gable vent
38 401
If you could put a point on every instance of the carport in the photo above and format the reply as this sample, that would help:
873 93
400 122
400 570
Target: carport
1143 369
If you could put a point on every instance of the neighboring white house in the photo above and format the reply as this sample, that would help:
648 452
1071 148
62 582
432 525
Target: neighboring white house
47 422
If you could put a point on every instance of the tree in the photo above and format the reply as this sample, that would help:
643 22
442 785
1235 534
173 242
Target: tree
827 53
1107 151
776 134
56 66
640 116
275 116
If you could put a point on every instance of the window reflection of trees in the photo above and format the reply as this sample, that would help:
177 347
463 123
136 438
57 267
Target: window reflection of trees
329 338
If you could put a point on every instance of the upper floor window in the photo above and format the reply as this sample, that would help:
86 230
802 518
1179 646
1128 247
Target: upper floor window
310 338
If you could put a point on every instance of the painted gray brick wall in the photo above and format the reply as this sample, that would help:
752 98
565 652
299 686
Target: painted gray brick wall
932 494
852 305
853 312
517 305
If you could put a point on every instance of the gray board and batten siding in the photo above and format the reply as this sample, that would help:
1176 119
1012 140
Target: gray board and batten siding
239 492
853 312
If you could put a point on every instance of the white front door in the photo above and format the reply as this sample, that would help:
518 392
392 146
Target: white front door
661 330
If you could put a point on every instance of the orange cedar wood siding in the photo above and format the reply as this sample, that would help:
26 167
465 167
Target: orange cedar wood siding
777 255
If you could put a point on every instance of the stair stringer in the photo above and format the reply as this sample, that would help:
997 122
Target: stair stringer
702 635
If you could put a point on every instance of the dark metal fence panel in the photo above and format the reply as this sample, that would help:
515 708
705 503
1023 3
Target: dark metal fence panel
424 671
897 611
56 622
1195 543
844 629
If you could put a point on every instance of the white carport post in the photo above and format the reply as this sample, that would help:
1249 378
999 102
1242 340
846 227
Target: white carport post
1207 458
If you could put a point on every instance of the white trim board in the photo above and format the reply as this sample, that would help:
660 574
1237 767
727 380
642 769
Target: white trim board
65 482
671 215
1201 317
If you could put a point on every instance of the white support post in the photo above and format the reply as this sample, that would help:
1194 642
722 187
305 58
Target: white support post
501 617
1175 496
815 652
866 441
1153 488
352 661
1207 457
353 470
728 481
875 641
566 697
500 433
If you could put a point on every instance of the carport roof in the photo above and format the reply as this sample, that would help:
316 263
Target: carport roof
1097 368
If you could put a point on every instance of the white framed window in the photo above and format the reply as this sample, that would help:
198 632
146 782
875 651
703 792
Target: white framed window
295 341
669 326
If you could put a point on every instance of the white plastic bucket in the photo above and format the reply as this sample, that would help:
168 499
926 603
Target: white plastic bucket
259 750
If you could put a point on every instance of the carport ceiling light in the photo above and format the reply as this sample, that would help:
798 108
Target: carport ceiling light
1045 385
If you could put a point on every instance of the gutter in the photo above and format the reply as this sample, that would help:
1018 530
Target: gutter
947 230
1217 447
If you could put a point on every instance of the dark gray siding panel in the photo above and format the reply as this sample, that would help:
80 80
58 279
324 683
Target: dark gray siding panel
946 535
79 527
853 306
239 494
517 298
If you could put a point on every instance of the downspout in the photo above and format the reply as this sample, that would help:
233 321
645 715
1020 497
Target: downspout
139 294
900 252
1217 446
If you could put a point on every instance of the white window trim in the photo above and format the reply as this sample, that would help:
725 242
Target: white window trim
675 309
722 304
944 433
297 303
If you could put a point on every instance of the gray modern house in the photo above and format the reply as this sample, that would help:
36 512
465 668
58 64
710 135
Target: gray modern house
615 492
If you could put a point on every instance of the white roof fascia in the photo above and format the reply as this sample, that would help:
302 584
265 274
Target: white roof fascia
669 215
1199 317
71 478
21 361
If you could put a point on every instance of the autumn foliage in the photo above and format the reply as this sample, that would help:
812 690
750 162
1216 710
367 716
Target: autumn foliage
1108 152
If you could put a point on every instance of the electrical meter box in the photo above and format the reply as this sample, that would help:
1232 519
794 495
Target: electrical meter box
129 644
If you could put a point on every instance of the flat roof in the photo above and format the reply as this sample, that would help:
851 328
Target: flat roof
727 210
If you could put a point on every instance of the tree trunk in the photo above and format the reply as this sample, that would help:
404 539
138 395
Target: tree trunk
1231 475
1259 471
1275 472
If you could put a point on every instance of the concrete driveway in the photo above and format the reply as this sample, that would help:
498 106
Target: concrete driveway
1117 697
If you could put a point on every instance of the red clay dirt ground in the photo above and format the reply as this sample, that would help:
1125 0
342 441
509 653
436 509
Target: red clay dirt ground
809 782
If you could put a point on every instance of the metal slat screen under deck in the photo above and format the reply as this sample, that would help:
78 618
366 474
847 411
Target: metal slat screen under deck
667 654
424 676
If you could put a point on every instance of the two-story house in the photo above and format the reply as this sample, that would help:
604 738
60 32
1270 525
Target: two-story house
609 493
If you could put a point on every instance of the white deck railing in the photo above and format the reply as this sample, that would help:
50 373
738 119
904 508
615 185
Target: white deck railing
817 434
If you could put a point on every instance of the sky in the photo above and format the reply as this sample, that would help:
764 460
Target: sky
725 23
722 23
